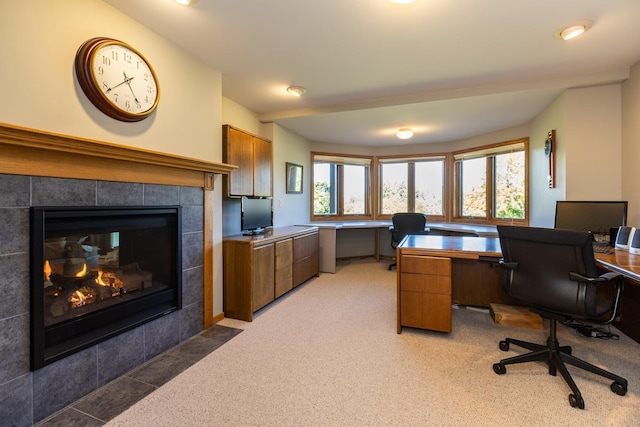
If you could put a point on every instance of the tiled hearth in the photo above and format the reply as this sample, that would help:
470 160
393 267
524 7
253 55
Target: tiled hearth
27 397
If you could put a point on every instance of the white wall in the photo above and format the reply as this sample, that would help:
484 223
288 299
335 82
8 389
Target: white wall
631 145
290 209
594 143
588 150
38 41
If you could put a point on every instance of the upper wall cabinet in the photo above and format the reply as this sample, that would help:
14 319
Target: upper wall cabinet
254 158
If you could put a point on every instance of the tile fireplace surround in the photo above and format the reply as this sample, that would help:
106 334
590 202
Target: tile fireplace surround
27 397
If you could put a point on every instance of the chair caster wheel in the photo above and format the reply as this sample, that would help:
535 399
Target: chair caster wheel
619 388
504 346
576 401
499 368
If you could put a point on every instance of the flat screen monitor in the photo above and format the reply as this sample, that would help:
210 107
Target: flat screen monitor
256 215
598 217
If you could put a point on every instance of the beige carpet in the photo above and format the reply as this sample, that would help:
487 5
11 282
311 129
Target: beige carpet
327 354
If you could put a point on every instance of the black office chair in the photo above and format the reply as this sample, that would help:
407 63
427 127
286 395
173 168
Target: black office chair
404 224
553 271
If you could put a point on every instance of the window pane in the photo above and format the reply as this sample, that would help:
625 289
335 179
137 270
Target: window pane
354 189
394 188
509 186
324 192
473 177
430 187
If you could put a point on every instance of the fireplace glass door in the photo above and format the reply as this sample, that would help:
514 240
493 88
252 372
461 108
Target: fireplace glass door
97 272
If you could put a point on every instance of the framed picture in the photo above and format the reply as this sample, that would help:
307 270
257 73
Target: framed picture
294 178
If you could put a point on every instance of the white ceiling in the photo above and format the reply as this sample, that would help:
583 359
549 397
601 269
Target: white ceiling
449 69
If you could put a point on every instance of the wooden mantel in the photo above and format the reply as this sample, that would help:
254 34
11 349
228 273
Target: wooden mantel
26 151
32 152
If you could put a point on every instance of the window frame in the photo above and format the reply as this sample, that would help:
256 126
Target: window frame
411 162
489 152
340 160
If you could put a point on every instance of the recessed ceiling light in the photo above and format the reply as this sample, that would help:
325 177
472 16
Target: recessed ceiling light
402 1
404 133
573 30
296 90
186 2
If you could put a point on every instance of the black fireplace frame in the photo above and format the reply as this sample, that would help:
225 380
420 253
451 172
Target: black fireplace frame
98 326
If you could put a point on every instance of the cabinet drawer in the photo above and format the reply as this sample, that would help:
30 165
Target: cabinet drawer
284 253
425 265
425 283
283 274
305 246
426 311
305 269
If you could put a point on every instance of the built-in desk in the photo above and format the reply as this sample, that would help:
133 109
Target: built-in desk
329 230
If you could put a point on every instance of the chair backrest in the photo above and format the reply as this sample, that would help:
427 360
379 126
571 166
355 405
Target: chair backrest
541 260
407 223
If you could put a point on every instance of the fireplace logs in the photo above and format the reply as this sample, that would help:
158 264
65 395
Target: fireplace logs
64 292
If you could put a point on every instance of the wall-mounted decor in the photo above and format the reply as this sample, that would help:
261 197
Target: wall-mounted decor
294 178
549 151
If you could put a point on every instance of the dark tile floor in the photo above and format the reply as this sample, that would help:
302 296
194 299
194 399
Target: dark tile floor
115 397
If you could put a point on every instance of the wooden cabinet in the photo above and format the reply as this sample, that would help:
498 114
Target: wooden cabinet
259 269
253 156
284 267
262 266
424 292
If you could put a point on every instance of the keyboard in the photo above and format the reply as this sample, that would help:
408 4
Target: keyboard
602 248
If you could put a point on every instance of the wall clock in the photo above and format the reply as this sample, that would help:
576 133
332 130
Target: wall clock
117 79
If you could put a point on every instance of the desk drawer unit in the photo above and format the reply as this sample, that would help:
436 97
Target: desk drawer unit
424 293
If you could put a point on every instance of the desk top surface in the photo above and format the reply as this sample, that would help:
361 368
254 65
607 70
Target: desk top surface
469 247
619 261
471 229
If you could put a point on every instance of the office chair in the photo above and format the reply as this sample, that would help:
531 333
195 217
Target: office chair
404 224
553 271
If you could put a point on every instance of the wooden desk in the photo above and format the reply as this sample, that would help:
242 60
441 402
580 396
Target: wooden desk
621 261
476 281
473 278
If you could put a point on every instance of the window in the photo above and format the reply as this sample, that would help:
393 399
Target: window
491 183
412 185
341 186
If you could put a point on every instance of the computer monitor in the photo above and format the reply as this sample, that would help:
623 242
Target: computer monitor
598 217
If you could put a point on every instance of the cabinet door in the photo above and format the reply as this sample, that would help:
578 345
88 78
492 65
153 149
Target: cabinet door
263 276
284 270
262 167
238 150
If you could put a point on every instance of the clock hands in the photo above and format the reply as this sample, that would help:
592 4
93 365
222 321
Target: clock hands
128 81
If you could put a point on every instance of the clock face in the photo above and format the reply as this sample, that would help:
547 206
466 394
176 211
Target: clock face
117 79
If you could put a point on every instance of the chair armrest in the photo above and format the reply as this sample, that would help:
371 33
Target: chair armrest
606 277
509 265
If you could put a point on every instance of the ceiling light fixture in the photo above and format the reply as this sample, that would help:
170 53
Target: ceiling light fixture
402 1
186 2
296 90
404 133
572 31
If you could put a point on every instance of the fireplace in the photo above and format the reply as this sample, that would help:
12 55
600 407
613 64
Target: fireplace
99 271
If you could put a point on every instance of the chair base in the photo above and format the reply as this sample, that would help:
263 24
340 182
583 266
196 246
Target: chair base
392 265
557 357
